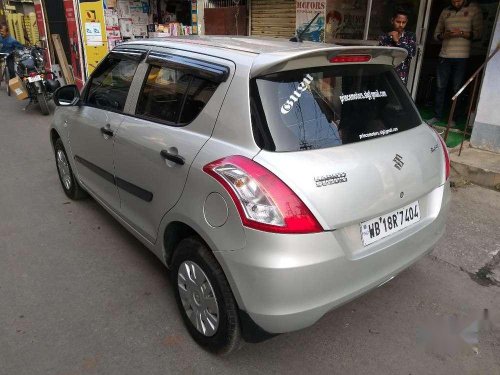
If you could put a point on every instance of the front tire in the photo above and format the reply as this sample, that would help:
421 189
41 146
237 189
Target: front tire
70 185
204 298
42 102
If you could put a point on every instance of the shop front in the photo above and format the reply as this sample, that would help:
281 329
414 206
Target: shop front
223 17
138 19
107 23
272 18
363 21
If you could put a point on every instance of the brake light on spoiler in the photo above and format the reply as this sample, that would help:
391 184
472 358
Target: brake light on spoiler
264 202
350 58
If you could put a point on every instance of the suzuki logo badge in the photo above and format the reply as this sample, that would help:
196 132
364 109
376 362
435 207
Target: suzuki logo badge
398 160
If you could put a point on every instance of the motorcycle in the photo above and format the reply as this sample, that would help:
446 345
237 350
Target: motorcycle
30 67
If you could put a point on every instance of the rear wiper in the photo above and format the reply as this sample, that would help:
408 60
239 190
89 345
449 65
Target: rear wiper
298 38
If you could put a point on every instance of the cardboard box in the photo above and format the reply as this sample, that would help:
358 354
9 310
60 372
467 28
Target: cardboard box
16 86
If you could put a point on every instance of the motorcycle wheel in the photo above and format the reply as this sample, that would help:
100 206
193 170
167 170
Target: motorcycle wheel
44 105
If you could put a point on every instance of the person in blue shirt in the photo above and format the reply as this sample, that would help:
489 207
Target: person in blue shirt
7 45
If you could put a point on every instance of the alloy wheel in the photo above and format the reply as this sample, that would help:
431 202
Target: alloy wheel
63 168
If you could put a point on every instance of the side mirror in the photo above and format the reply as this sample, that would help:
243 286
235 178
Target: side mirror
67 96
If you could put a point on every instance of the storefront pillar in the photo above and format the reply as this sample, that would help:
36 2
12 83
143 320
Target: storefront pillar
486 131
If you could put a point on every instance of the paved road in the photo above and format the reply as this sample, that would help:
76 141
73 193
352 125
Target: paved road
80 295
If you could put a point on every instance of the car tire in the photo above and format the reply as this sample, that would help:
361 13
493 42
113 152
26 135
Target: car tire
199 292
69 183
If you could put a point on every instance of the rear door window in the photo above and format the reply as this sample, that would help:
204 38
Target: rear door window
329 106
173 96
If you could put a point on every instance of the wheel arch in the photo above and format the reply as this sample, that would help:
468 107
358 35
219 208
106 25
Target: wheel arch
174 233
54 135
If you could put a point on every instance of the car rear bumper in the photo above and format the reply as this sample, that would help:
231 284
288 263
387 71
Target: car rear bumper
288 282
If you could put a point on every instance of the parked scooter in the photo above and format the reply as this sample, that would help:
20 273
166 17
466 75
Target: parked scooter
30 67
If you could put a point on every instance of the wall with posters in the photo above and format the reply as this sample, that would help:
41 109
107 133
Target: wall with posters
345 19
94 32
305 13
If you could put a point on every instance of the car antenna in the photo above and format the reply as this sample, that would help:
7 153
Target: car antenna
298 38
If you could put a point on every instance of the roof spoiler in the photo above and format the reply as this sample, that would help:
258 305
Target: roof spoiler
267 63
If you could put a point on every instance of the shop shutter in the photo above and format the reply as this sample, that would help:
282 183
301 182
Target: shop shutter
272 18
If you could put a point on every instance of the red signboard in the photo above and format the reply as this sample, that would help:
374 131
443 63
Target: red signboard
74 42
42 32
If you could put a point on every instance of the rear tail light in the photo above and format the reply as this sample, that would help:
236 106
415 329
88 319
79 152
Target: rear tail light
446 156
264 202
350 58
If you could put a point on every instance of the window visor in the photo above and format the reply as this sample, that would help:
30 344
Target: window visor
203 69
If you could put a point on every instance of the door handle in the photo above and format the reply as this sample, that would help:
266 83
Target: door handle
107 131
175 158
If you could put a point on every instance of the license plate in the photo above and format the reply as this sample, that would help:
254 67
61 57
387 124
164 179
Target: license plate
34 79
387 224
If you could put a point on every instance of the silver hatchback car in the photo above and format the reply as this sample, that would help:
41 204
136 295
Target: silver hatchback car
276 180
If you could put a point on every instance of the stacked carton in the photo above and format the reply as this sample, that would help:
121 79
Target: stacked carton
15 22
31 28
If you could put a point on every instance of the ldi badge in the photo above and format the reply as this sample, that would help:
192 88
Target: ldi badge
398 160
330 179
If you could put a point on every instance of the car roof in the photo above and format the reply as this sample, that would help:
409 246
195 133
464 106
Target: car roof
246 44
265 53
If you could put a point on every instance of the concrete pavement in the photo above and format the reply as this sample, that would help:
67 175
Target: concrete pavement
80 295
477 166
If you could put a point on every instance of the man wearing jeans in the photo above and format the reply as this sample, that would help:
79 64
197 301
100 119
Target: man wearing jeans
458 25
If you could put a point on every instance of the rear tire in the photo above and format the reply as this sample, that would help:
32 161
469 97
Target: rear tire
70 185
206 298
44 105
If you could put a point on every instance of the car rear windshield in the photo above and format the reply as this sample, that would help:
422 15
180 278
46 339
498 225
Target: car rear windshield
329 106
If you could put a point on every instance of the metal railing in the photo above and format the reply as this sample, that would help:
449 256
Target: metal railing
474 78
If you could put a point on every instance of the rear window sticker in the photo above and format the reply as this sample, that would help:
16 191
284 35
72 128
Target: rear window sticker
370 95
303 86
376 134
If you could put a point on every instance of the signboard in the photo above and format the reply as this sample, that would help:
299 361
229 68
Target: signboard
74 43
305 12
346 19
94 32
40 22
